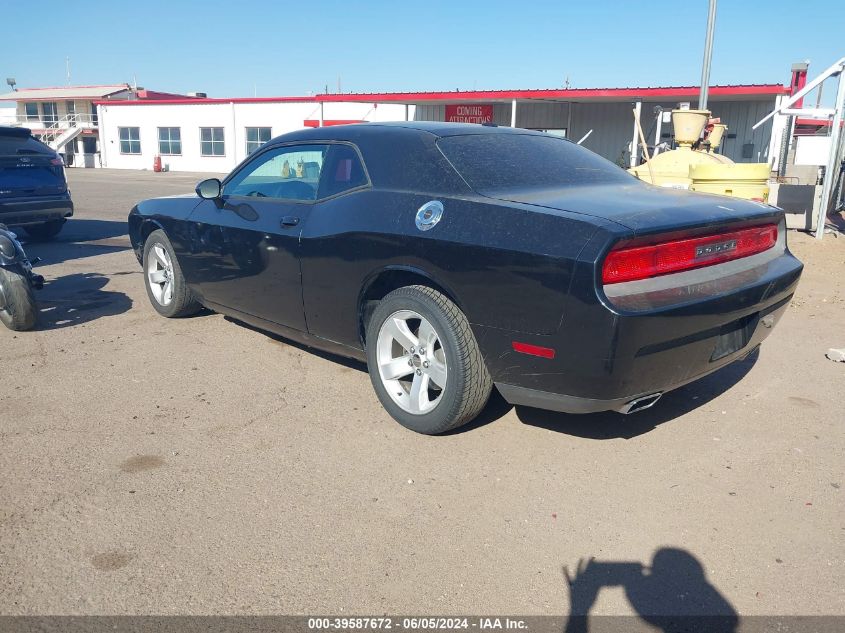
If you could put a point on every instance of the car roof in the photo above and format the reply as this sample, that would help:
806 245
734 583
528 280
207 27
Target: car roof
19 132
359 131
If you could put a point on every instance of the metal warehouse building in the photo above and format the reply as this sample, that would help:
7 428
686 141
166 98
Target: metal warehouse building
216 134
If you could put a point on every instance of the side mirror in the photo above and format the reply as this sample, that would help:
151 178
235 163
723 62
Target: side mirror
210 189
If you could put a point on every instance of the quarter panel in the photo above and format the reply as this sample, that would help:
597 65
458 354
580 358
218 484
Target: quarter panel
507 267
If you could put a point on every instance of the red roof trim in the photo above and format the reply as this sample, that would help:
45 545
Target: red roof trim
669 92
571 93
330 122
205 100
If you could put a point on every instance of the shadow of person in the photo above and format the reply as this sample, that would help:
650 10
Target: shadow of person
78 298
672 595
612 425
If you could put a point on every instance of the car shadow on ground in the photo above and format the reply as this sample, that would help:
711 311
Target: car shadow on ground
671 594
349 363
612 425
79 238
597 426
79 298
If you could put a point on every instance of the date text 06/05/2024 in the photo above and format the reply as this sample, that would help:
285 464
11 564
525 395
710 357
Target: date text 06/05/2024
415 623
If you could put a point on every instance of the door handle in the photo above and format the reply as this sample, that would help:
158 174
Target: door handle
289 221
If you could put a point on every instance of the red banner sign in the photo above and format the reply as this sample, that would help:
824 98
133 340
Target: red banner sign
469 113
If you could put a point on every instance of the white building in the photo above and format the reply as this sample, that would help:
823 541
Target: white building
66 118
216 134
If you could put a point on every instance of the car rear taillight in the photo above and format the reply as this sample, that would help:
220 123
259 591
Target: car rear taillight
629 263
56 161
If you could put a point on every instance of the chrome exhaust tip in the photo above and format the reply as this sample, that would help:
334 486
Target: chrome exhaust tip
640 404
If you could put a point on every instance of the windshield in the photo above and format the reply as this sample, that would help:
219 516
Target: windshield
495 163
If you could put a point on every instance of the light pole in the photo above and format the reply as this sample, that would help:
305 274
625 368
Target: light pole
708 55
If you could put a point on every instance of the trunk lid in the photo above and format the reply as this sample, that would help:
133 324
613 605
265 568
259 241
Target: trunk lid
644 208
28 167
30 175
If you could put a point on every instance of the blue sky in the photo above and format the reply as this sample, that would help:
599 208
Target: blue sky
295 47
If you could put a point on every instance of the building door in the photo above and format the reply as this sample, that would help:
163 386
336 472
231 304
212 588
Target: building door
70 106
244 248
69 152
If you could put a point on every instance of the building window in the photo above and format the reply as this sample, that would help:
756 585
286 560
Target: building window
256 137
49 112
211 141
169 141
130 140
31 110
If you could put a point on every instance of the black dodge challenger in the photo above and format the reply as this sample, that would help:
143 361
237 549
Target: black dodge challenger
455 257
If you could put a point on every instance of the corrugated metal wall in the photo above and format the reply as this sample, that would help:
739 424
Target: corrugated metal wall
613 124
740 116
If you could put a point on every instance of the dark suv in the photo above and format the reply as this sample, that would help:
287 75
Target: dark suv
33 189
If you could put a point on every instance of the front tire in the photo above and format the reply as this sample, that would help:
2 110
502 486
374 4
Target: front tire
17 305
424 361
46 230
166 286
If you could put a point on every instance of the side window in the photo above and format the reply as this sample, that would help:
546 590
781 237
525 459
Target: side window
288 173
343 171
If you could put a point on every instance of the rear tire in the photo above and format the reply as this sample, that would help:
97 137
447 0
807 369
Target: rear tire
17 305
434 389
166 286
46 230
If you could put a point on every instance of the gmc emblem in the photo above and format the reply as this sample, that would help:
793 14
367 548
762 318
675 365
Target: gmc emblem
715 249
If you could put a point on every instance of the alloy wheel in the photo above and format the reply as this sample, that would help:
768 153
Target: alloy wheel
160 274
411 362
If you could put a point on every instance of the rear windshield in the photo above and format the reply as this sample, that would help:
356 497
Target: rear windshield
14 145
494 163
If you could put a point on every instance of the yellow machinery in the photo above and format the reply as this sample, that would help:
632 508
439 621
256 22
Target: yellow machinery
700 169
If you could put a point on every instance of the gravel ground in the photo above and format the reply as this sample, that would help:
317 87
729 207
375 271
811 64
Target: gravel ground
197 466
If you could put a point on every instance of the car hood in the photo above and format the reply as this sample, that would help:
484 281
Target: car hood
644 208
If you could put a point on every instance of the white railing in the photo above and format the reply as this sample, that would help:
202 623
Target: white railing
58 132
58 124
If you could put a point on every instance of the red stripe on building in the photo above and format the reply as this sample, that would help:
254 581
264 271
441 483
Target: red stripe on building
666 93
329 122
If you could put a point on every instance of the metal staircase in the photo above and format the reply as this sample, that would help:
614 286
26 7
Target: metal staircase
62 131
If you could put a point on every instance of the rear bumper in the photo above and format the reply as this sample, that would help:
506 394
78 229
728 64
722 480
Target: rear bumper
23 211
523 396
606 356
